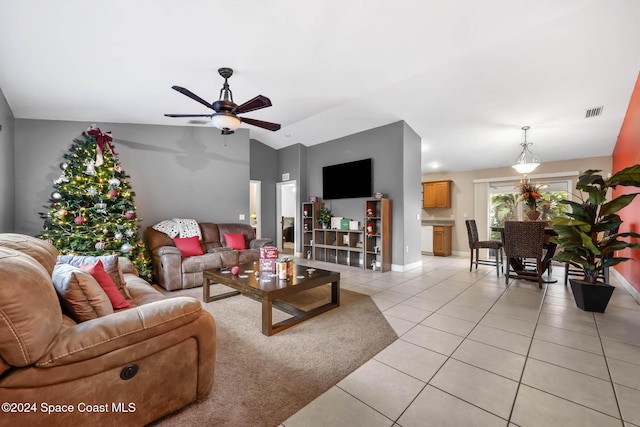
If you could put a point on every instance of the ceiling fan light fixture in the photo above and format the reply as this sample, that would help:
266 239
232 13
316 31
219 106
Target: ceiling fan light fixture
526 162
225 121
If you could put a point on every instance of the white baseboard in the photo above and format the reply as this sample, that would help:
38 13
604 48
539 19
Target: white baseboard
628 286
406 267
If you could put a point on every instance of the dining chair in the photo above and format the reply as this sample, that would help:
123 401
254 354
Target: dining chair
475 244
524 249
575 270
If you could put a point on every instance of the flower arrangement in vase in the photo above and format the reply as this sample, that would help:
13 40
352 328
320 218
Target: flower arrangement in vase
529 194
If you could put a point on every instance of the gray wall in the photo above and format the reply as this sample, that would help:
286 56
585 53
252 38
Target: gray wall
411 201
263 161
7 171
293 160
188 172
176 171
386 146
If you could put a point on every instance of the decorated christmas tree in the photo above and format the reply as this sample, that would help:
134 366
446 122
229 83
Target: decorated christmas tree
91 210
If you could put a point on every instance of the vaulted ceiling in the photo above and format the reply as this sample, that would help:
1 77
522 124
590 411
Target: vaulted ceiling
466 75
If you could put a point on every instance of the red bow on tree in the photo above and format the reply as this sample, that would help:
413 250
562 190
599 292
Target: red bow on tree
101 139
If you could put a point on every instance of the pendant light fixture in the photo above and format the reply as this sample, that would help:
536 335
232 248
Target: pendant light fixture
526 162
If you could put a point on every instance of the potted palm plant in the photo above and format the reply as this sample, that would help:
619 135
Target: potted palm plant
586 236
324 217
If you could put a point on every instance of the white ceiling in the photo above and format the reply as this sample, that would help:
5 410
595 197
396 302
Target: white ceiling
466 75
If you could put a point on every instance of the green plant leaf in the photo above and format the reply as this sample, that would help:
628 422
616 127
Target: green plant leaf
617 204
610 262
561 222
589 178
629 177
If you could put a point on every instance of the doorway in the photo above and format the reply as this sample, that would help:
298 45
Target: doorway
286 217
255 217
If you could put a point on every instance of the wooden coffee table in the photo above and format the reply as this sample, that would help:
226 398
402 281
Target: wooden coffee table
267 288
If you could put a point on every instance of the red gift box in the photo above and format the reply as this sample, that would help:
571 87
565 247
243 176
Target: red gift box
268 256
268 265
268 252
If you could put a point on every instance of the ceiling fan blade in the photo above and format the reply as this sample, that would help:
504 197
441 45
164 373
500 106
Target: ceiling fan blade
192 95
253 104
188 115
265 125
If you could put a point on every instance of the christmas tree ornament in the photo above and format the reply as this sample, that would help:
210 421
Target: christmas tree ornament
102 139
64 166
79 220
129 232
62 178
91 167
92 191
118 236
117 167
112 193
114 182
126 248
62 213
100 207
105 231
56 196
100 245
129 214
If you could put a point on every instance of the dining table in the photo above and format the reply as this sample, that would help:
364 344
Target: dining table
519 266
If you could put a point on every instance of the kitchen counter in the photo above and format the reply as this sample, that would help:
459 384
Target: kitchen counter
442 222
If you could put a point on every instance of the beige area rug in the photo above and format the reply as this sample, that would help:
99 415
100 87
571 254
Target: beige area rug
262 381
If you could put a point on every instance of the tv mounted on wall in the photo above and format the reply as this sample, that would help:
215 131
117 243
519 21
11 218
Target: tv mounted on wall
347 180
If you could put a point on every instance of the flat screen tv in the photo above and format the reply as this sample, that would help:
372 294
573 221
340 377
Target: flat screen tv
347 180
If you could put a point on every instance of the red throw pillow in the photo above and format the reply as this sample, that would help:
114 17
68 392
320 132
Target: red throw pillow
189 246
106 283
234 241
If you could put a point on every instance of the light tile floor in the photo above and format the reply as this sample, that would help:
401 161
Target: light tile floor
473 351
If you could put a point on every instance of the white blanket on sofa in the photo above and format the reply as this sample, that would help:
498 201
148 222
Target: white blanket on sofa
179 227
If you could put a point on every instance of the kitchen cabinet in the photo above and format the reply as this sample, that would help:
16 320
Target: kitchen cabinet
436 194
442 240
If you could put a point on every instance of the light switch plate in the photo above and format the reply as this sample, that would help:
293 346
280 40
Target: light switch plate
285 177
241 217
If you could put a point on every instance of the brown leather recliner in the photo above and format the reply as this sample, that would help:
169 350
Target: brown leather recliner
126 368
173 271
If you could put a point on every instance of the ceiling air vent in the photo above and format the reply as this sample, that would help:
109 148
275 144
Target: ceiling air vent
594 112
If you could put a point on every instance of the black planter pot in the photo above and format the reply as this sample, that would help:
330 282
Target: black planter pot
591 297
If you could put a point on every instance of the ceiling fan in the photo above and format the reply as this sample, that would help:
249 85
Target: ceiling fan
226 113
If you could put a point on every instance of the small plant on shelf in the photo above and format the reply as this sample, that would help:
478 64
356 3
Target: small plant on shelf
324 217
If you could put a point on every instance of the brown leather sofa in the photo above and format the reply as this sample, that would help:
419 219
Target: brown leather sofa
122 369
173 271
